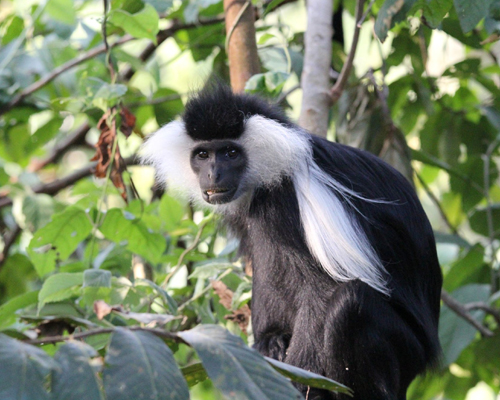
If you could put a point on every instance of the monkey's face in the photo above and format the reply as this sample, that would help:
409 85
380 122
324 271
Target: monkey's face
220 166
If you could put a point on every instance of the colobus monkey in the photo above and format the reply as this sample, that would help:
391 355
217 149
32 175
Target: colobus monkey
346 281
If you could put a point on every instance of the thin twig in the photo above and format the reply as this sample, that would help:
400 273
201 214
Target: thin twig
338 88
9 239
202 293
437 203
284 95
101 331
368 9
462 311
104 24
185 253
484 307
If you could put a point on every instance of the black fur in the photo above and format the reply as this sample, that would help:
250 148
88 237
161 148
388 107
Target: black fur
217 113
346 331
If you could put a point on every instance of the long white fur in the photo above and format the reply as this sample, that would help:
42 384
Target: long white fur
274 151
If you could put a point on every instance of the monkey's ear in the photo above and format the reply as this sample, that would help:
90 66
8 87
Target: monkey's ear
168 151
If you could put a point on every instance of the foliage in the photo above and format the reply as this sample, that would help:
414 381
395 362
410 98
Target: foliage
132 274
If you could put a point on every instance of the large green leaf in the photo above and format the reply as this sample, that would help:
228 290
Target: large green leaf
59 287
143 24
308 378
470 12
235 369
123 227
171 211
64 232
75 379
23 370
455 334
139 365
38 210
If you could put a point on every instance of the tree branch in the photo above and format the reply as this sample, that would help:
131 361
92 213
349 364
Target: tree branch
339 86
484 307
81 335
241 44
58 71
463 312
56 186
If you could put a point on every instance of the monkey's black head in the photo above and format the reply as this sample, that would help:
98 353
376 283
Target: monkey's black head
226 146
218 113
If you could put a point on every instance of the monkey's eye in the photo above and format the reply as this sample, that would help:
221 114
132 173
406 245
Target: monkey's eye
232 152
202 154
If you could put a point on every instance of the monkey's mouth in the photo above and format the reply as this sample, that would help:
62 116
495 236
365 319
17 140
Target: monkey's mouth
218 195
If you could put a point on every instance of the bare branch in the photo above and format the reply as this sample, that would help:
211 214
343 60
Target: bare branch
58 71
462 311
60 148
316 100
101 331
484 307
339 86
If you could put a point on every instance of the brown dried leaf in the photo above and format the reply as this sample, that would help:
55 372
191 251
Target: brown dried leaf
104 153
101 308
242 315
128 121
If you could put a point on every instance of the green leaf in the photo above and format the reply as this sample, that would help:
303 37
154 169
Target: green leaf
75 379
64 232
13 30
235 369
59 287
37 210
44 259
471 12
140 365
434 10
23 369
8 310
62 10
171 212
96 278
308 378
479 220
392 12
194 374
43 134
455 334
143 24
121 228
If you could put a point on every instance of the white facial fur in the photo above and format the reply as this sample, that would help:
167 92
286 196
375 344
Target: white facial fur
274 151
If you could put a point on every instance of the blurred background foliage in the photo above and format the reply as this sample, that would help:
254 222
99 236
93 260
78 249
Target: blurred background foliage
96 244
